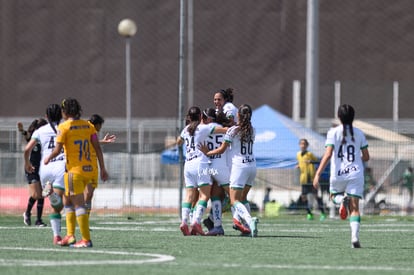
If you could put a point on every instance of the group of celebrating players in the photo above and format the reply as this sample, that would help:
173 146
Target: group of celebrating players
219 165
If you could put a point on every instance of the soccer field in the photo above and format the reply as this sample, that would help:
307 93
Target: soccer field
288 244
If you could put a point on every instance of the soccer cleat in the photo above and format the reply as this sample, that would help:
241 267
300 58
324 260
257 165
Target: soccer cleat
343 209
82 244
47 190
57 240
238 226
67 240
322 217
26 219
184 229
253 227
356 244
216 231
208 223
197 230
40 223
309 217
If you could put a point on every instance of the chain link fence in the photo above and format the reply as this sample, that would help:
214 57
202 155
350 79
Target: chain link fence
55 49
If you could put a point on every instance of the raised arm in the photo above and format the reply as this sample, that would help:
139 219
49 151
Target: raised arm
99 155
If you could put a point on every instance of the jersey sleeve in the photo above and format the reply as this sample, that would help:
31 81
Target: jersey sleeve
330 139
36 135
230 134
61 133
364 142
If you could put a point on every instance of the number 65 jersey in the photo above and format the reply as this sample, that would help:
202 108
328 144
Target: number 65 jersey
346 161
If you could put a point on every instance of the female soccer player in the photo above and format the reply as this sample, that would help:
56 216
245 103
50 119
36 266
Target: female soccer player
223 100
196 173
77 136
347 149
97 121
219 171
243 167
32 176
306 165
51 175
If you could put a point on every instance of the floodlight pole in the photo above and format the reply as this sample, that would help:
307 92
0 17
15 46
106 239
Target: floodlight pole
181 103
312 66
127 28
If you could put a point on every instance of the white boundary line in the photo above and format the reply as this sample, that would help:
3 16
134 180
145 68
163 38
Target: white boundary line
155 258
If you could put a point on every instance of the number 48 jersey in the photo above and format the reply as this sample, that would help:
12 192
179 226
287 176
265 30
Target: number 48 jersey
346 161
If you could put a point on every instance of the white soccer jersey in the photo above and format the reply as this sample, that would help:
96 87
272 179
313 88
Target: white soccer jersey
219 169
241 152
346 161
230 110
54 171
196 167
191 142
214 141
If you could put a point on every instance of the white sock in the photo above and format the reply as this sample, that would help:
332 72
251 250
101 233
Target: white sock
56 226
355 231
338 199
242 212
247 205
199 212
216 209
185 214
234 213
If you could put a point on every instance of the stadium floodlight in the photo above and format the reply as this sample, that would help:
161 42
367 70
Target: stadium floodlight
127 28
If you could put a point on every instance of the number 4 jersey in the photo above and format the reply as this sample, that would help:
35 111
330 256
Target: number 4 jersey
346 161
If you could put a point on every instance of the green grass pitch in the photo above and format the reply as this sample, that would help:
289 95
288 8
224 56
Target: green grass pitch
153 244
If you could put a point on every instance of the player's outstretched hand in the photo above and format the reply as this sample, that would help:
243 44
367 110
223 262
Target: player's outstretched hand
108 138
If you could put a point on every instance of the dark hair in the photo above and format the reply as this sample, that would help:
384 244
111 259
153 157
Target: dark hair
223 120
54 115
36 124
71 107
346 114
96 119
193 116
304 140
246 128
209 113
227 94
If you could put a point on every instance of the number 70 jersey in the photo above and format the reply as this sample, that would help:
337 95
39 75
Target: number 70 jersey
346 160
76 135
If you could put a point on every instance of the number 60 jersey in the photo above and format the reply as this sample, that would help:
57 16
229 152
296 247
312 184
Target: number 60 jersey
241 152
346 162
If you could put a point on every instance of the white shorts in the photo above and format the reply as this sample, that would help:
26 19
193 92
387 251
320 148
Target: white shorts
53 173
196 174
353 187
220 173
242 176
